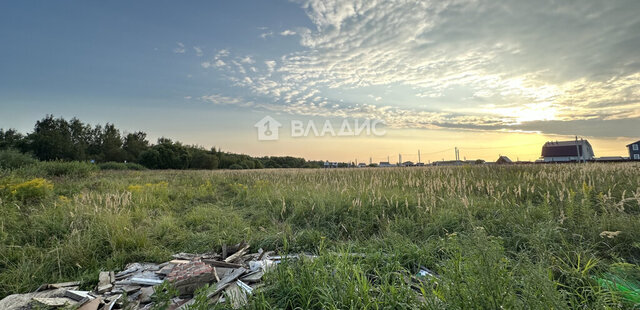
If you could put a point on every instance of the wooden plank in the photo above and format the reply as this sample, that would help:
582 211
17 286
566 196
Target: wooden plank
224 251
218 263
226 280
91 305
77 295
215 274
65 284
237 255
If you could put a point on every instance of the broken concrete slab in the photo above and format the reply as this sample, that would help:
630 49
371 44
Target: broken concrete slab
22 301
104 282
145 294
54 301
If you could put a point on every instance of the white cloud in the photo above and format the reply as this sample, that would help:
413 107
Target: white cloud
247 60
271 64
265 35
222 53
225 100
451 58
288 33
198 50
180 49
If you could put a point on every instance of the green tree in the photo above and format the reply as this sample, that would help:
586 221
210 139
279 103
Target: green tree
201 159
150 159
112 144
51 139
11 138
80 136
134 144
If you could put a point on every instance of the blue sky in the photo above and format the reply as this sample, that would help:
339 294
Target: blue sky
477 74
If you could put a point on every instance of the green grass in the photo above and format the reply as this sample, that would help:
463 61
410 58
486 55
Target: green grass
510 237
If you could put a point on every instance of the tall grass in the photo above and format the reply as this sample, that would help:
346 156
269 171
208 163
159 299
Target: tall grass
510 237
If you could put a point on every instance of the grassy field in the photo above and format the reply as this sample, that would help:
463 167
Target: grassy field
537 236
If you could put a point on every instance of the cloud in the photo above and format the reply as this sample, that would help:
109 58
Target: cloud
222 53
198 50
288 33
219 99
265 35
180 49
271 64
459 64
247 60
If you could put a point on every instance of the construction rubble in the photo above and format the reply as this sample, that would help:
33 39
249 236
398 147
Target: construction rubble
231 276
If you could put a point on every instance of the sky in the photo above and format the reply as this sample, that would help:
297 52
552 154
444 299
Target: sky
489 77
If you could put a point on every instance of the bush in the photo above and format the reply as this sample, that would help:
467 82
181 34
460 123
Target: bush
59 168
36 189
235 167
11 159
74 168
121 166
202 160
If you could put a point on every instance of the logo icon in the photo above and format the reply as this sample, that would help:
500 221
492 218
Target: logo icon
268 129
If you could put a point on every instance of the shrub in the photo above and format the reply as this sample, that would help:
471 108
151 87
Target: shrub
35 189
11 159
235 167
59 168
120 166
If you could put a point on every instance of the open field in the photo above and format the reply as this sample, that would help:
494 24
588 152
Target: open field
534 237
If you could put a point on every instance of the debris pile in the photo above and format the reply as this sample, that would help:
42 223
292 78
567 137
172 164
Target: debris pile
232 276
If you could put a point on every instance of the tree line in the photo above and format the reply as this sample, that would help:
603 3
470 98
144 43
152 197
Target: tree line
58 139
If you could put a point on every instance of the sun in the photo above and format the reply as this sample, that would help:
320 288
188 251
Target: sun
535 112
528 113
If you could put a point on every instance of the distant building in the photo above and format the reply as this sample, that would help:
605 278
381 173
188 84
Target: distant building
385 164
408 164
610 159
362 165
503 160
328 164
634 150
567 151
458 162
